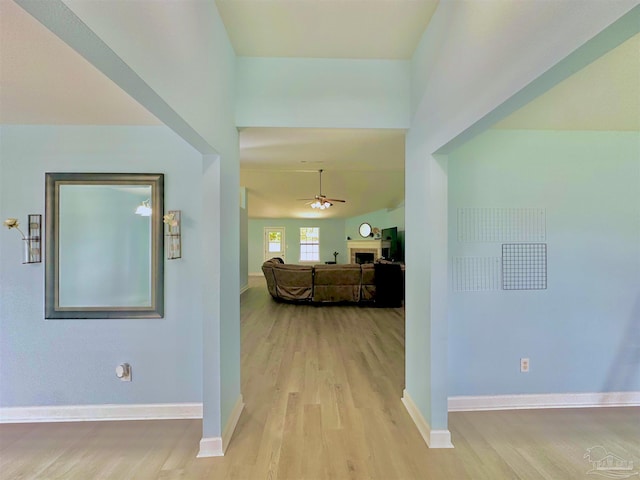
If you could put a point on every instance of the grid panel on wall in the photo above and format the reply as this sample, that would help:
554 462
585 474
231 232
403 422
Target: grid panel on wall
501 224
474 274
524 266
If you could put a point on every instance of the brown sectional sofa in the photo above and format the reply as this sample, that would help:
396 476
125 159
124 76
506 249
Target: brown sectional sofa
368 286
347 283
337 283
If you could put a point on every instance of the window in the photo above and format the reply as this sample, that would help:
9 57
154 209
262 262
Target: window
309 244
275 242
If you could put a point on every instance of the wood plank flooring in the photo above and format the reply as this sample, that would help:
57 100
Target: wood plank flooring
322 388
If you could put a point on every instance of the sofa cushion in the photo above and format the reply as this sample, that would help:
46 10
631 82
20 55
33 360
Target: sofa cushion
293 282
368 283
337 283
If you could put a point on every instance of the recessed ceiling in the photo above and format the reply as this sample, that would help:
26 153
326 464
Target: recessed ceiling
604 95
308 148
279 166
381 29
43 81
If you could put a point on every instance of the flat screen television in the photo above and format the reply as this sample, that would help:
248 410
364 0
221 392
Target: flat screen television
390 235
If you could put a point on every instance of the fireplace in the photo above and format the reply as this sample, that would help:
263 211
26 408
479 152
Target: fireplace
372 249
364 257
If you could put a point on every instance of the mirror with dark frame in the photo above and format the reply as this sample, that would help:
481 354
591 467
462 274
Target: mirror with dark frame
104 245
365 230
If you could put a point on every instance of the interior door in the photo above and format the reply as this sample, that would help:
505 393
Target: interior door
274 245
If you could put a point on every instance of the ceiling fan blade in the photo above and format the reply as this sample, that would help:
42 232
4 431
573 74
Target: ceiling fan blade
322 199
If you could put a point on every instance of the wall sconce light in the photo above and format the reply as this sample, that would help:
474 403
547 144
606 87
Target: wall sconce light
144 209
33 242
172 233
32 246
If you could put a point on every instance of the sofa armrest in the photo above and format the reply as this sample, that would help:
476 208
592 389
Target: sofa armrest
293 282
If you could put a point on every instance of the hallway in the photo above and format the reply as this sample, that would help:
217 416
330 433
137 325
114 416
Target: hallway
324 386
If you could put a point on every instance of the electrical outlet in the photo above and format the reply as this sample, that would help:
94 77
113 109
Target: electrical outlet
524 365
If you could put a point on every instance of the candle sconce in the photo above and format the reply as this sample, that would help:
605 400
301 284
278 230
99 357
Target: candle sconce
32 246
33 242
173 237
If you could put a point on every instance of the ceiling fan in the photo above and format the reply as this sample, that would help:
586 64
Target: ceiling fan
321 201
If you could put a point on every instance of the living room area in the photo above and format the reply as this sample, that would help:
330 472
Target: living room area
359 176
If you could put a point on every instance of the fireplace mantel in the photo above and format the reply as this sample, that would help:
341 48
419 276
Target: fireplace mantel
366 246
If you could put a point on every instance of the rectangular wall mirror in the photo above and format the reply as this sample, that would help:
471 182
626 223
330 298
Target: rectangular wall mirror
104 245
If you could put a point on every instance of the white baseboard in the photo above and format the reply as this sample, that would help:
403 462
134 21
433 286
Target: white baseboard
256 274
244 288
216 446
94 413
231 423
545 400
433 438
210 447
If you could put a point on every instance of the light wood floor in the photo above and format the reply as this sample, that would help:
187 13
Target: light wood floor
322 388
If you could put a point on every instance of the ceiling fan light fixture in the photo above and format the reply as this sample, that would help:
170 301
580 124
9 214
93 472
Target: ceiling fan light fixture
321 204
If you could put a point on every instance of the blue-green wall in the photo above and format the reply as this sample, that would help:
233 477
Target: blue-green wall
581 334
321 92
72 362
380 218
332 239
